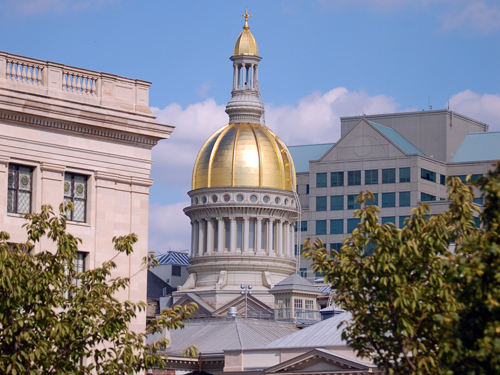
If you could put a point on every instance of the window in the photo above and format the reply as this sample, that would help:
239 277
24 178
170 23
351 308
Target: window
404 199
404 174
388 200
353 178
336 247
79 263
478 201
477 222
428 175
319 274
371 177
337 179
309 304
352 224
337 226
351 202
424 197
297 303
176 270
320 203
462 178
373 202
298 250
442 179
307 189
402 221
303 226
320 180
337 202
389 176
19 187
389 219
320 227
475 177
303 273
75 190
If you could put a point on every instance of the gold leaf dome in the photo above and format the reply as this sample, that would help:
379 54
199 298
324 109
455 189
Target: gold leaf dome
244 154
246 44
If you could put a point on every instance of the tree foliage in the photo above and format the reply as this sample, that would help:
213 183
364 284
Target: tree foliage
424 298
54 320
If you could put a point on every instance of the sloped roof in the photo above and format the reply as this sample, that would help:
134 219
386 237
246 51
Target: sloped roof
324 333
303 153
156 285
478 147
174 257
197 299
295 282
405 145
216 335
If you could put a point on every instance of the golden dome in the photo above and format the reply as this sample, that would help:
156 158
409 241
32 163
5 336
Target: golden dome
244 154
246 44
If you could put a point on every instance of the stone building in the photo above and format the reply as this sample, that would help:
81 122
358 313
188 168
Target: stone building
71 134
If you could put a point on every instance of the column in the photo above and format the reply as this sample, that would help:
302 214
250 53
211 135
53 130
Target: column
286 238
200 237
194 234
245 238
269 248
279 229
250 73
239 77
210 236
292 248
232 235
193 237
258 236
255 76
235 76
220 235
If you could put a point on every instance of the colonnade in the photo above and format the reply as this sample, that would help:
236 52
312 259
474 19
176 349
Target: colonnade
245 76
242 235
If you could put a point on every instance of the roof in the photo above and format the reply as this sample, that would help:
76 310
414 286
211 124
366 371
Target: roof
324 333
297 283
303 153
478 147
216 335
174 257
405 145
156 285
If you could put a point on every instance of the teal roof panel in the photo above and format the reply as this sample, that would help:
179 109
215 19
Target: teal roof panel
478 147
303 153
405 145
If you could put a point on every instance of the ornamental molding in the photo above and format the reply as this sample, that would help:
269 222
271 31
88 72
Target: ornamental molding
25 119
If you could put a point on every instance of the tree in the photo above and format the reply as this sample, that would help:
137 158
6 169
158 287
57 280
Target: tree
396 284
54 320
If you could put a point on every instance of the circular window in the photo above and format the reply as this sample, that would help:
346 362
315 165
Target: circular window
286 202
205 199
215 198
277 200
253 198
239 198
266 199
227 198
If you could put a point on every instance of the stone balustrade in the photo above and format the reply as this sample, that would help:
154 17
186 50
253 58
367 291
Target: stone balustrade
69 83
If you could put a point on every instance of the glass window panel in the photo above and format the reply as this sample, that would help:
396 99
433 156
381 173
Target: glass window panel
402 221
303 226
442 179
337 226
337 179
352 204
478 201
307 189
404 199
75 190
352 224
389 176
424 197
371 177
19 188
428 175
404 174
388 200
320 203
303 272
336 246
389 219
320 227
337 202
373 202
353 178
320 180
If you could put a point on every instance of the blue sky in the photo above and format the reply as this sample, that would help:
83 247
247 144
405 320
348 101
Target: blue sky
321 60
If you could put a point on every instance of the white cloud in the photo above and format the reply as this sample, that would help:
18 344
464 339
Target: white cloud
169 228
485 108
476 15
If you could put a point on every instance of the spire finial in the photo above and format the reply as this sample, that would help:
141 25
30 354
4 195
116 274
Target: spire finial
246 15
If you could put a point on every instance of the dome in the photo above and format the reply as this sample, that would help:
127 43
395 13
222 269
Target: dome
246 44
244 154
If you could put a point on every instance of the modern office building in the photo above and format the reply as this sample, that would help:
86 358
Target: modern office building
403 158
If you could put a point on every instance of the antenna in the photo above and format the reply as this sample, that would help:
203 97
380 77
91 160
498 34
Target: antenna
448 95
430 106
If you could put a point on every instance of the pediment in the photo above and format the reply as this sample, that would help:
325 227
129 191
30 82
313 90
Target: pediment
363 141
204 309
319 360
253 304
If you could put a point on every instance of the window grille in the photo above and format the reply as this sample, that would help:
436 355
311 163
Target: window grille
75 190
20 186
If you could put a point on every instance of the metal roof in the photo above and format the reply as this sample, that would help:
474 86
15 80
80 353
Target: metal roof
324 333
295 282
397 139
174 257
303 153
216 335
478 147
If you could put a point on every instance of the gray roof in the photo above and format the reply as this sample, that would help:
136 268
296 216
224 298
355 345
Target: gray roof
295 282
156 285
174 257
405 145
303 153
216 335
478 147
321 334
